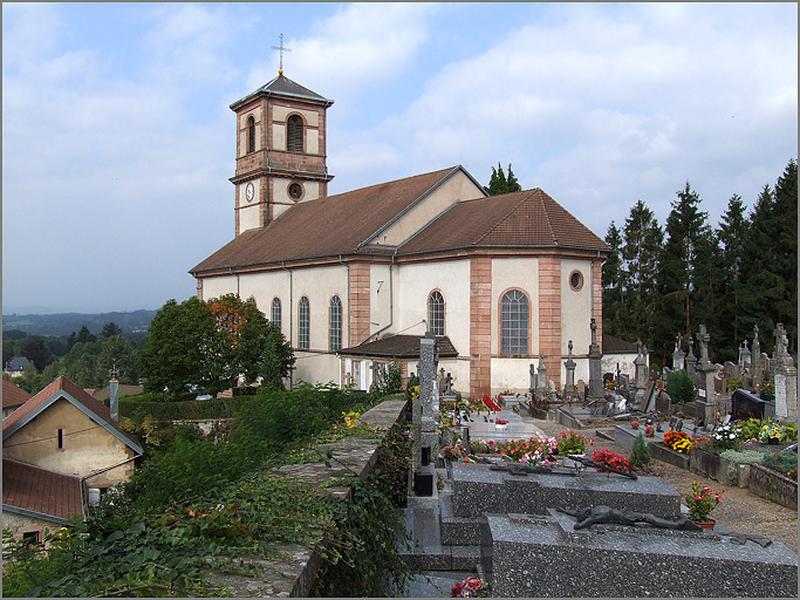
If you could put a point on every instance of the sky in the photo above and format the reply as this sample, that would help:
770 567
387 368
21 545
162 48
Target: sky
118 140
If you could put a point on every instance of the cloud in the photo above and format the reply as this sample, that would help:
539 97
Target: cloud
603 107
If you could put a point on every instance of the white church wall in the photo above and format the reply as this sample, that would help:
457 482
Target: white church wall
278 137
280 191
457 187
380 301
625 361
319 284
416 281
522 273
458 368
313 367
576 307
218 286
581 369
510 374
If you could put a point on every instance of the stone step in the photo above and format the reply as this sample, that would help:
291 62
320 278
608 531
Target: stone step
440 557
457 531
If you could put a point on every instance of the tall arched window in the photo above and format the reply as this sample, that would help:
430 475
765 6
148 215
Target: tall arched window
514 323
303 324
335 324
276 312
436 313
251 134
294 134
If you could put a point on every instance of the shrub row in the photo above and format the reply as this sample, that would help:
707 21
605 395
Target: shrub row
141 405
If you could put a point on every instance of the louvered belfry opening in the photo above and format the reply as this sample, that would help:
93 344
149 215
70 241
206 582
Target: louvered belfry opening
251 134
294 134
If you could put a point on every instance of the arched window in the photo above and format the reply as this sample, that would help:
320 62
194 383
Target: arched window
303 324
335 324
436 313
514 323
294 134
251 134
276 312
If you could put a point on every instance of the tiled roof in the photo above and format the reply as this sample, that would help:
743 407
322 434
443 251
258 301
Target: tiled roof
40 491
18 363
327 227
399 346
615 345
529 219
50 394
13 395
283 86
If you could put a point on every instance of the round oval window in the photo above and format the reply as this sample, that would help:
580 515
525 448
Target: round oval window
576 280
295 191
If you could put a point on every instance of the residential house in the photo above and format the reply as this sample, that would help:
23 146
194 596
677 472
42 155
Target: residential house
13 397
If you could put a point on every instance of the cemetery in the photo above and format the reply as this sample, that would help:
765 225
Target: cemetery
498 508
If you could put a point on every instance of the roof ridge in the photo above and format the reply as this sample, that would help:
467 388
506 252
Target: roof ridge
40 468
399 179
542 194
505 217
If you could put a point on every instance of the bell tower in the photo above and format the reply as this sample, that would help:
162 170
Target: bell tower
280 151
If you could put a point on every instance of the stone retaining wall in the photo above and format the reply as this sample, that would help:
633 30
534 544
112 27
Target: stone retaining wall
294 570
773 486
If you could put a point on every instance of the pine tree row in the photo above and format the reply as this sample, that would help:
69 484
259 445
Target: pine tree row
661 282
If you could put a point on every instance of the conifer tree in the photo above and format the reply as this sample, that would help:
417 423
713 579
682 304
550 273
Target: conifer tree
499 183
784 255
678 279
512 185
732 233
613 288
643 239
640 454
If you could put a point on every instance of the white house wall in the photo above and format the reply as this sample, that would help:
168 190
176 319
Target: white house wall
575 303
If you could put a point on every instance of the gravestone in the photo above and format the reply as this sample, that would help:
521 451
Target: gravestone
532 377
758 364
745 357
541 377
691 361
641 370
707 401
448 385
596 390
425 446
569 386
746 405
663 403
678 356
785 377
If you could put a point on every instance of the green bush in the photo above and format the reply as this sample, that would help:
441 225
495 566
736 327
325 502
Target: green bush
153 404
640 454
785 462
680 387
743 457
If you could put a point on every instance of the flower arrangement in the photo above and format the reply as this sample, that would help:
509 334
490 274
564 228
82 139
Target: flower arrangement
679 441
611 384
570 442
701 501
635 424
605 457
649 431
777 431
453 451
501 421
470 587
725 437
351 419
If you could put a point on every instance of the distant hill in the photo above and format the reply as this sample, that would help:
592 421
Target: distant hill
133 322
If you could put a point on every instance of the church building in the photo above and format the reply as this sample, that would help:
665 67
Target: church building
354 279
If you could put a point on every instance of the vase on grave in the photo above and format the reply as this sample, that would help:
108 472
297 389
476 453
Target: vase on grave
707 525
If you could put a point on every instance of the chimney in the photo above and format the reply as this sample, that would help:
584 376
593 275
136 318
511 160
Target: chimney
113 395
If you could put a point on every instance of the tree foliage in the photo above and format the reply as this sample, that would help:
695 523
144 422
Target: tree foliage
500 183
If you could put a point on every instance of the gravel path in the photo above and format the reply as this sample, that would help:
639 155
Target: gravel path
739 511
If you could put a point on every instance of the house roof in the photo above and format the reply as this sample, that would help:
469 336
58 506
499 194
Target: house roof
283 86
61 387
615 345
13 395
399 346
40 493
530 219
18 363
327 227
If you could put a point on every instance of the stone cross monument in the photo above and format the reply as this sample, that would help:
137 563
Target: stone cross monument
691 361
709 402
678 355
595 367
785 374
569 386
641 369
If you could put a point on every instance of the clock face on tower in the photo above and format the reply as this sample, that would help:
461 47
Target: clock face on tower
249 192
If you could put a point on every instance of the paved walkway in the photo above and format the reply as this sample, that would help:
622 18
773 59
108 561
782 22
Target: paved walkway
740 511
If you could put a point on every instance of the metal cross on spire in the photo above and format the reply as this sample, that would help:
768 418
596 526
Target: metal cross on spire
281 49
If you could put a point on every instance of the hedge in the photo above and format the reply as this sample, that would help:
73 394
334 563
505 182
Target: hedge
138 406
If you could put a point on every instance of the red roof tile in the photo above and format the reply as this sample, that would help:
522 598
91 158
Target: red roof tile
399 346
38 490
59 384
327 227
529 218
13 395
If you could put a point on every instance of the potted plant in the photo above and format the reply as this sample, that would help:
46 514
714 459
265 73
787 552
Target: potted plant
701 501
607 458
635 424
649 431
452 452
500 424
572 443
